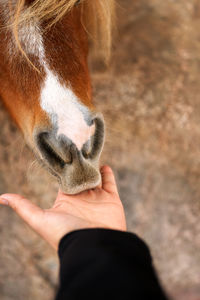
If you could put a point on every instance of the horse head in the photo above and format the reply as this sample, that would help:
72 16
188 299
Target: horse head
45 85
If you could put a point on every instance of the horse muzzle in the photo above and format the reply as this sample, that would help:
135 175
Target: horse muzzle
76 168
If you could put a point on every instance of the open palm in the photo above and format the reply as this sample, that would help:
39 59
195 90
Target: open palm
97 208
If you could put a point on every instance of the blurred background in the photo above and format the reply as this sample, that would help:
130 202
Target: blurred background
150 97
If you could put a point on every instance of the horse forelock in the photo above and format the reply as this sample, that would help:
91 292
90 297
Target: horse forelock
97 17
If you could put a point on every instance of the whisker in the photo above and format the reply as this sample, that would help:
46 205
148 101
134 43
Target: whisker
33 168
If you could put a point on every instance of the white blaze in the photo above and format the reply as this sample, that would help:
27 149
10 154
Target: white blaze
63 107
57 100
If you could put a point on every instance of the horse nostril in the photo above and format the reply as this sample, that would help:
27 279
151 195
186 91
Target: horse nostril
59 153
92 148
54 151
87 148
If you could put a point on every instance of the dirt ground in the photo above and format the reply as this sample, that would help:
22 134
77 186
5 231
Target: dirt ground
151 103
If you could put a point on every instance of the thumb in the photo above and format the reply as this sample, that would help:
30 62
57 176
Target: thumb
28 211
108 180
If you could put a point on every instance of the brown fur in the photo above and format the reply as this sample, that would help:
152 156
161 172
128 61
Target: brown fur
66 51
97 17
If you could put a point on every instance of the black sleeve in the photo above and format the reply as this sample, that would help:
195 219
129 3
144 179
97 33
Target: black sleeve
106 264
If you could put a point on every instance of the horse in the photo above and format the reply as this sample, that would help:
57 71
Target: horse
45 83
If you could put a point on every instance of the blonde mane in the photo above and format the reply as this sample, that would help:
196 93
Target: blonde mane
97 18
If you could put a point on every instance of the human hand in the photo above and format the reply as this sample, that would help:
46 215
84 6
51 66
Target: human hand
97 208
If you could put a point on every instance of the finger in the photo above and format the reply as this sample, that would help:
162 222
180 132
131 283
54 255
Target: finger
99 186
29 212
60 194
108 180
